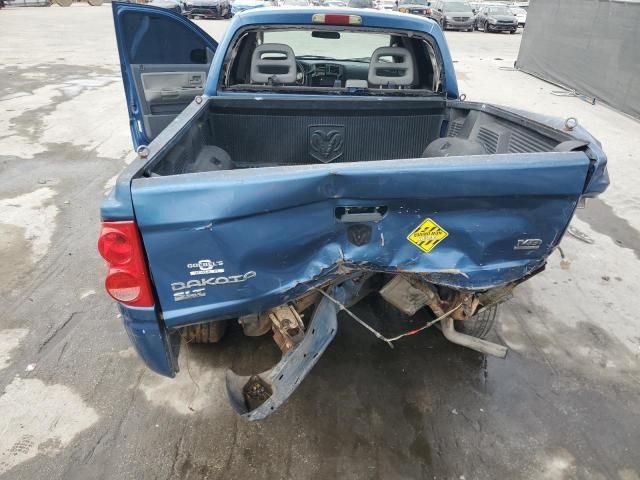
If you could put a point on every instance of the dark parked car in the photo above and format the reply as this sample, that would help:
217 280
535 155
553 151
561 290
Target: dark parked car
416 7
208 9
452 14
496 19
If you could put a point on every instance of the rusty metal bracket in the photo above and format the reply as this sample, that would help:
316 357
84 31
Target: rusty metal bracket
288 329
257 396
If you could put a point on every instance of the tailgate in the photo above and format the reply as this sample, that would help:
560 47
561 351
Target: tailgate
224 244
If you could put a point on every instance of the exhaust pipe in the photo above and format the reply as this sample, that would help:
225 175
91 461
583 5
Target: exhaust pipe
409 297
477 344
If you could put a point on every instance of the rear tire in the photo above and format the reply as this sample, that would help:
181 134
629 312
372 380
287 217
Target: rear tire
211 332
486 27
512 31
480 324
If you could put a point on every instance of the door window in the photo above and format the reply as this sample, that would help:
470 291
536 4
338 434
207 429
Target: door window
155 39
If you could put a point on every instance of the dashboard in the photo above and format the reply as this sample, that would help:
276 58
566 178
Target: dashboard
322 73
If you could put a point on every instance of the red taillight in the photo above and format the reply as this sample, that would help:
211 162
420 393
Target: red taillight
428 11
115 246
127 279
336 19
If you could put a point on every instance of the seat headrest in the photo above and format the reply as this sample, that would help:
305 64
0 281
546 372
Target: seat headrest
273 62
391 66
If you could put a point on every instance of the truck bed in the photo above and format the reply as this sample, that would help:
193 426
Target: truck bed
263 133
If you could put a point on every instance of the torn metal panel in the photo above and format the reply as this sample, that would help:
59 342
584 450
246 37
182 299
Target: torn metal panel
257 396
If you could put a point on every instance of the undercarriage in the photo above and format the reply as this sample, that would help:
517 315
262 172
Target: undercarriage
305 327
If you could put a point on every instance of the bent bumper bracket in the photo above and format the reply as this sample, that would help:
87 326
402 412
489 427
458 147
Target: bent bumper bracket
257 396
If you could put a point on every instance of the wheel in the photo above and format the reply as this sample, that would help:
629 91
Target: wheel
444 25
512 31
64 3
211 332
486 27
480 324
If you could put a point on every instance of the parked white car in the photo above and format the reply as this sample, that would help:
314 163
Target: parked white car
521 15
386 5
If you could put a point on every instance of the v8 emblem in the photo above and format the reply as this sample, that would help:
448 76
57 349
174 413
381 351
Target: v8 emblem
528 244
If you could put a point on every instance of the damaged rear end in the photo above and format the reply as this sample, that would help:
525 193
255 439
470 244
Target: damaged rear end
295 184
286 250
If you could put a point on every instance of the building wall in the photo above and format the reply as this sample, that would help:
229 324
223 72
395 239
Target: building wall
592 46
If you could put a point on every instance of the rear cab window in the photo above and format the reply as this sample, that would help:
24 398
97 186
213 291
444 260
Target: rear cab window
332 60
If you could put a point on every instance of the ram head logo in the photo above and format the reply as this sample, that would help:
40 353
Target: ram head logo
326 142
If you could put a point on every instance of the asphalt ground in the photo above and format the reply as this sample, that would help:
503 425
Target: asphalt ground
77 403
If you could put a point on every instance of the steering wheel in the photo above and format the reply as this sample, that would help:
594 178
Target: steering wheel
302 74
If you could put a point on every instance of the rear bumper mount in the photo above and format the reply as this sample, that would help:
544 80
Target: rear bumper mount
257 396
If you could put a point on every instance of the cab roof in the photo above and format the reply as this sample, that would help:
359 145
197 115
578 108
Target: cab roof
303 16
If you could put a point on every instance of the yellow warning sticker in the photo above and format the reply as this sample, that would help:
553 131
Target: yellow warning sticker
427 235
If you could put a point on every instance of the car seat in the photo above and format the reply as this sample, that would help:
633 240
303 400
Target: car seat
397 73
273 63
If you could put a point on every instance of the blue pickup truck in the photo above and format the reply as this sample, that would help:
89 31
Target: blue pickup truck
311 158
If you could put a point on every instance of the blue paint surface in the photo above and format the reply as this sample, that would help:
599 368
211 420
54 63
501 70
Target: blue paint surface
152 342
281 224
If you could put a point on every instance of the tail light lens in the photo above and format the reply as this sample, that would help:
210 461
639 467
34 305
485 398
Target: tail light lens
127 279
336 19
428 11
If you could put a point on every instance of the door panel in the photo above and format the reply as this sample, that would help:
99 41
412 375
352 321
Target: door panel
166 91
164 59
